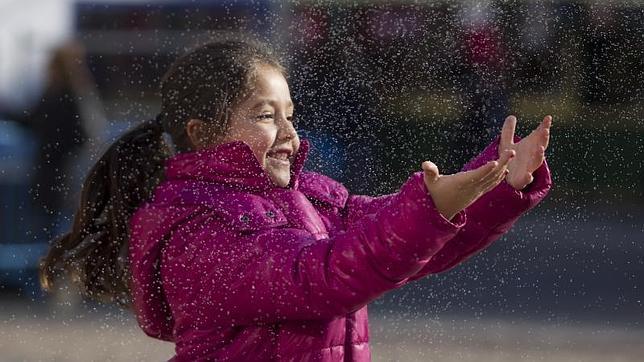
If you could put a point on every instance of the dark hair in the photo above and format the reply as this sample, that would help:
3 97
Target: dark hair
203 84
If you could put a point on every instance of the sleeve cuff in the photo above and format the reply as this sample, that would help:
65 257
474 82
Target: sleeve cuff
508 203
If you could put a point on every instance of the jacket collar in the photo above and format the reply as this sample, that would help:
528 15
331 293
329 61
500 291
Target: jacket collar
232 164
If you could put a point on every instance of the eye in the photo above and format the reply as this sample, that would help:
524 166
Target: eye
265 116
292 119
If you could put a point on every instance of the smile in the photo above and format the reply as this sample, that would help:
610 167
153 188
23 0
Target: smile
279 159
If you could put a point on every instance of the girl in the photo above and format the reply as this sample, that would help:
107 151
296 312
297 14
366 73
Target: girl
231 251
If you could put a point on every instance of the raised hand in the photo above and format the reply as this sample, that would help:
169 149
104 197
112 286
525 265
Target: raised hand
529 151
453 193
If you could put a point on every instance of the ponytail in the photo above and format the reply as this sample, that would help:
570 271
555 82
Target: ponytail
202 84
94 253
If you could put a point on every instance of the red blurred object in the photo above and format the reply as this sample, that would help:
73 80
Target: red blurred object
484 46
310 27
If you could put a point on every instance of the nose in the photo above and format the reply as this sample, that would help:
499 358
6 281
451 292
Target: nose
286 129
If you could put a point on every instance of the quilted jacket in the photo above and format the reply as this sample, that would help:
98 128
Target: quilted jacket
232 268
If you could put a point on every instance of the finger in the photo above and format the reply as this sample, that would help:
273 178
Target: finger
547 122
538 157
492 183
507 132
506 156
494 180
539 152
545 131
501 167
479 174
500 173
430 170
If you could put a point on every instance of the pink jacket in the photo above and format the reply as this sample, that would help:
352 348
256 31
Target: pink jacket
232 268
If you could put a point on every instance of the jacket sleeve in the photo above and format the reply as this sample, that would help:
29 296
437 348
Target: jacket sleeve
358 206
282 273
489 217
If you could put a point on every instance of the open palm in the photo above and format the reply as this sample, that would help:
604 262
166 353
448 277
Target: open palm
529 151
453 193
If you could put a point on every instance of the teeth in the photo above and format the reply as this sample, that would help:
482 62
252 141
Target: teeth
280 156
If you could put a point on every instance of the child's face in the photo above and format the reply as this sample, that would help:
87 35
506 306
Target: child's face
264 122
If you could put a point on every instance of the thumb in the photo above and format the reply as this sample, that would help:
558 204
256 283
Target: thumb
507 132
431 171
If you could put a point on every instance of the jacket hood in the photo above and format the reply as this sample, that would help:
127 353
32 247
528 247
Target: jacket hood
228 166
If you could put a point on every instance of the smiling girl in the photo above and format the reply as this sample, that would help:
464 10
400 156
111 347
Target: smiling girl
231 251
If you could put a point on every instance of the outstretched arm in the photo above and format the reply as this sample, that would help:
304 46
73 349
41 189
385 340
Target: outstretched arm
450 193
284 273
526 184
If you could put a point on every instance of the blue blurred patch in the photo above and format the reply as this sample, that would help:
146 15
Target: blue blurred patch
327 154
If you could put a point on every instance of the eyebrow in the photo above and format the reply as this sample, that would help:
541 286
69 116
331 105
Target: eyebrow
270 103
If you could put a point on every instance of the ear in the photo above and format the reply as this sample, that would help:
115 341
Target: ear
196 133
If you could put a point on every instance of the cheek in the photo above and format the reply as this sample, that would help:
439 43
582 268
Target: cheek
261 143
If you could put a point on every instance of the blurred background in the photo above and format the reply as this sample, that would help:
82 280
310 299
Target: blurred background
379 87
